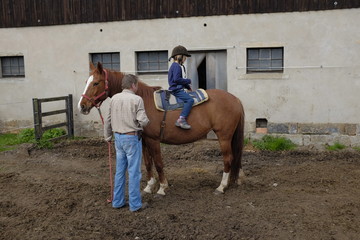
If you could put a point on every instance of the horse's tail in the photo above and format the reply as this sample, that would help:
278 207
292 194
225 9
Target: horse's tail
237 144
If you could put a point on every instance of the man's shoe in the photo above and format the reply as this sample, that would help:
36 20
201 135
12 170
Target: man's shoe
143 207
182 124
123 206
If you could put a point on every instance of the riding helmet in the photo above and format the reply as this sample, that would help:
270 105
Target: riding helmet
180 50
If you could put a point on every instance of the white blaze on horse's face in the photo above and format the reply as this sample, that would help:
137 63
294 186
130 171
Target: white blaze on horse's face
82 107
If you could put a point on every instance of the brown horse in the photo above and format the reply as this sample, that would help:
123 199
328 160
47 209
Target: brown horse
223 113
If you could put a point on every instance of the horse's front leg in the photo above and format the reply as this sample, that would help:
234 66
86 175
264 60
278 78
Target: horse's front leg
150 187
154 157
155 152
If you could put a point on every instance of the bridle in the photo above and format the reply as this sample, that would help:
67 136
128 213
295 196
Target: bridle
105 92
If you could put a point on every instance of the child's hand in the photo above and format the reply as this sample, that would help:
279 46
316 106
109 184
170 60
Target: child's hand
189 88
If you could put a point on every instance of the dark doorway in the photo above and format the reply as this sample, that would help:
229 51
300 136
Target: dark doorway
202 74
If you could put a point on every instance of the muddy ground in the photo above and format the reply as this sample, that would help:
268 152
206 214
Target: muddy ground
61 194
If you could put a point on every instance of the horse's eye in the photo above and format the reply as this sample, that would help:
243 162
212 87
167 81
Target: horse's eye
95 84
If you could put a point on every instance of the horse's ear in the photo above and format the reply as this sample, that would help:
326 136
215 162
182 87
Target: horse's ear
99 67
92 67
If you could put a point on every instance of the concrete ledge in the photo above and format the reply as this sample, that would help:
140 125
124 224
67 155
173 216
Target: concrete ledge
314 128
316 140
299 133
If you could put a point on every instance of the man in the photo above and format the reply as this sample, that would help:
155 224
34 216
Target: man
126 118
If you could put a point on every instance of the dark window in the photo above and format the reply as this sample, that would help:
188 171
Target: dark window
152 62
108 60
12 66
265 59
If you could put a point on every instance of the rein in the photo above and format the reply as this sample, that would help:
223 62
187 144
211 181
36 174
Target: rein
92 100
110 164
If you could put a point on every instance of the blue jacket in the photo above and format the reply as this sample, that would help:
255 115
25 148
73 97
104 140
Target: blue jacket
175 78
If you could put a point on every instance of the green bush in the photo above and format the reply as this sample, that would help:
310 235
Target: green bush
26 135
274 143
53 133
45 142
335 147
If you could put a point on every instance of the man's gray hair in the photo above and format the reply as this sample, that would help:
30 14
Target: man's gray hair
128 80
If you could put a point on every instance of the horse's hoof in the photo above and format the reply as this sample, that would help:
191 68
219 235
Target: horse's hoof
144 193
240 181
242 177
217 192
159 195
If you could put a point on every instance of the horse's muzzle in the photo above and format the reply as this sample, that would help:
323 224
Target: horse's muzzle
84 108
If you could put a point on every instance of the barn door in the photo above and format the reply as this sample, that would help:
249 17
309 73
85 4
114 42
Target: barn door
207 70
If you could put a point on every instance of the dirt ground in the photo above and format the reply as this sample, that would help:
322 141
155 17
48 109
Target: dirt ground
61 194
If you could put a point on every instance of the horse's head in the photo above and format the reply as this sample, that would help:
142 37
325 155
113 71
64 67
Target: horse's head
96 89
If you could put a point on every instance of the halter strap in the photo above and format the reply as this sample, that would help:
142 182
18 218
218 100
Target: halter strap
105 92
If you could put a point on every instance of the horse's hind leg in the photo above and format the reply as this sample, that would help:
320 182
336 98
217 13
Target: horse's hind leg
242 177
225 146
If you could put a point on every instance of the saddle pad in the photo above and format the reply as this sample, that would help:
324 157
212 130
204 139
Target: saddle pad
164 100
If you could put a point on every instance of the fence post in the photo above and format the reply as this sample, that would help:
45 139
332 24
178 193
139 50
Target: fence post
37 118
69 116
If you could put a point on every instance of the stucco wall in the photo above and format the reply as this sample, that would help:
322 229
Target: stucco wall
320 82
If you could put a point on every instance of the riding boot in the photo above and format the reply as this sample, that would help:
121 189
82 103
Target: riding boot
181 122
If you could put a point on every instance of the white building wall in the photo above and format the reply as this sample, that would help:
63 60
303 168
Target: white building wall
320 82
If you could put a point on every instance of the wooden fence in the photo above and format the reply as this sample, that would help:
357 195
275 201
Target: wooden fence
23 13
38 115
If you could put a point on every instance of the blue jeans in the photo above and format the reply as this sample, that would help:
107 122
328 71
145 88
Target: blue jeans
128 157
188 101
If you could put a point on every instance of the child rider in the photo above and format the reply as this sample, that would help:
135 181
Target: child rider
178 82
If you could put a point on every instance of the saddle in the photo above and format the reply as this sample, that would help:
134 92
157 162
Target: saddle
165 101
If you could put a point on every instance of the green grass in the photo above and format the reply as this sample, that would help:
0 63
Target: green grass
272 143
337 146
6 148
9 140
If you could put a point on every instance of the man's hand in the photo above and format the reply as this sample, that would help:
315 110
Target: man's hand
108 139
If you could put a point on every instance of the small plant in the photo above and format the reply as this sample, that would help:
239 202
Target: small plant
246 141
274 143
45 142
356 148
337 146
26 135
53 133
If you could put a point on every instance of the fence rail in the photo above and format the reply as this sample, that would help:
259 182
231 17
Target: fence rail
38 115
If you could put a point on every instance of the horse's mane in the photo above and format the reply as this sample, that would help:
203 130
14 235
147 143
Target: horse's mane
145 90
